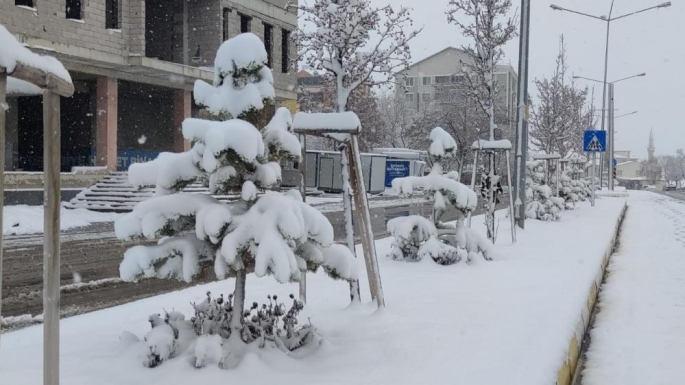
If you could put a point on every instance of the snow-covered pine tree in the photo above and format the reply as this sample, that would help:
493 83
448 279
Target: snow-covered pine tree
540 202
417 237
489 26
272 234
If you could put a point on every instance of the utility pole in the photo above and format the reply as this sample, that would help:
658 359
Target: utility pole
519 187
611 137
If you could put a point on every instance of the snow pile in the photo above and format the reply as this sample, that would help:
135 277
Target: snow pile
13 53
274 234
540 202
348 122
20 87
243 83
417 237
21 219
482 144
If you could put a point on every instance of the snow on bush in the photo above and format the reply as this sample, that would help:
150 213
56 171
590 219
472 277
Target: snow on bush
271 234
417 237
541 204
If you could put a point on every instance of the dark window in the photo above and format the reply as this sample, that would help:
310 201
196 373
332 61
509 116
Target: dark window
112 14
26 3
224 21
245 22
73 9
310 81
285 51
268 43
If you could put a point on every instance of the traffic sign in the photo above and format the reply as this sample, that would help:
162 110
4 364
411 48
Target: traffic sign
595 141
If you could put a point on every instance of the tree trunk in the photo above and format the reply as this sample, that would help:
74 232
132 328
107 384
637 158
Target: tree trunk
238 302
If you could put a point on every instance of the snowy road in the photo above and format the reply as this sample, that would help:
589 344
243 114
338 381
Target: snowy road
639 333
94 253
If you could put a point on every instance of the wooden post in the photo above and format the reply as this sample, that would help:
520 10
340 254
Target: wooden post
51 251
3 93
558 175
511 199
303 192
347 213
473 182
362 203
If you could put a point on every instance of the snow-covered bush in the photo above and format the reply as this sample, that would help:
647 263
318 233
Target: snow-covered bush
417 237
567 192
272 234
541 204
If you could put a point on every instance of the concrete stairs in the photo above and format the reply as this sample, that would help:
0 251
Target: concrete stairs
114 193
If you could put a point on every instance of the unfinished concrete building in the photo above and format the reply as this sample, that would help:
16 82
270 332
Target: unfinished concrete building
133 63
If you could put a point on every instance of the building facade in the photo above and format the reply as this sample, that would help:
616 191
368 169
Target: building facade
133 64
437 78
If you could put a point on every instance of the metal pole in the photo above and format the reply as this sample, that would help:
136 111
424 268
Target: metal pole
594 161
3 89
557 174
604 85
521 119
51 246
511 200
611 137
303 191
473 182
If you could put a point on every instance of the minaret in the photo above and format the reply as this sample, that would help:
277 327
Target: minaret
650 149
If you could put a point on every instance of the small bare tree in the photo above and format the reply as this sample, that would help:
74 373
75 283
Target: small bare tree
354 43
488 24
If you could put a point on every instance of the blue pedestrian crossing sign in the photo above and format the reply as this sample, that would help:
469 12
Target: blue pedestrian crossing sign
595 141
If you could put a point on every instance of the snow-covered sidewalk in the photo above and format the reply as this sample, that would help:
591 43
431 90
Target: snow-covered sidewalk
21 219
503 322
639 333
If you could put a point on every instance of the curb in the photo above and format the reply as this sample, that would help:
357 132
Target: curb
570 369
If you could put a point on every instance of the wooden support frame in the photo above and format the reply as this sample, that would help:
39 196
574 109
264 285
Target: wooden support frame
512 218
303 191
54 87
349 135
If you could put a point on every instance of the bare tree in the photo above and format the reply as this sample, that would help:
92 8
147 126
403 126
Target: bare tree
490 27
560 115
354 43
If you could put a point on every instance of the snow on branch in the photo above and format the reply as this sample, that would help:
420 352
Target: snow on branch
169 172
242 81
176 257
279 137
442 144
491 145
163 216
459 195
354 42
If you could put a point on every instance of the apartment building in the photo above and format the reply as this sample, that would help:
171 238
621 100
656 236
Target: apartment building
437 78
134 63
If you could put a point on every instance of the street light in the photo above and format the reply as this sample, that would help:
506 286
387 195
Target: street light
608 20
613 82
620 116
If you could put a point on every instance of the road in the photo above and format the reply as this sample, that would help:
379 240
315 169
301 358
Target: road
94 253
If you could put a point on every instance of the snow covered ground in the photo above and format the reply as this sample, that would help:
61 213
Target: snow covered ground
490 323
639 333
23 219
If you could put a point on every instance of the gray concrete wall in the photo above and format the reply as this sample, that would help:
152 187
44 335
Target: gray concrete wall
49 22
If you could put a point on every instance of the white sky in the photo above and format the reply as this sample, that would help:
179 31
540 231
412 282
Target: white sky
639 43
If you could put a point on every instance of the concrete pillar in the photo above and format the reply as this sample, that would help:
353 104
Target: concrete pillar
107 94
181 111
134 25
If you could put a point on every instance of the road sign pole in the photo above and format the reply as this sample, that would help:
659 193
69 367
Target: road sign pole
610 140
594 161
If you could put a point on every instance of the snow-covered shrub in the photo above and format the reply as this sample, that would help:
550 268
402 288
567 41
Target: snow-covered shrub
541 204
272 233
567 191
417 237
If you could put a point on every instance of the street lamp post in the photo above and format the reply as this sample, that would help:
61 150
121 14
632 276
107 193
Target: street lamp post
610 162
608 20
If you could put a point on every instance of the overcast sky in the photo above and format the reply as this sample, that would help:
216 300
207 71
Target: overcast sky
650 42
